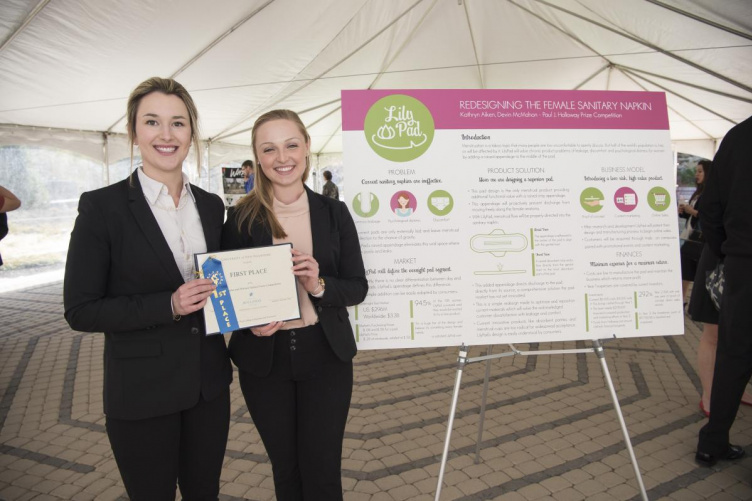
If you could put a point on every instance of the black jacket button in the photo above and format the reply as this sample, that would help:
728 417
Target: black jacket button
194 330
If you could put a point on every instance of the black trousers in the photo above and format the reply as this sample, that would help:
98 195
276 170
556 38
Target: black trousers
185 448
733 361
300 410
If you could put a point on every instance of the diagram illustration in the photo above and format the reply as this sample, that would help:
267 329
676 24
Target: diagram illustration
365 204
498 244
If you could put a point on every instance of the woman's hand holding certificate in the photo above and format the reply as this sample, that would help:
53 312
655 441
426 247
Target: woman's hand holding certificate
255 287
191 296
306 269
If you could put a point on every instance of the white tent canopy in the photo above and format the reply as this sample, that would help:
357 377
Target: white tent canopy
67 66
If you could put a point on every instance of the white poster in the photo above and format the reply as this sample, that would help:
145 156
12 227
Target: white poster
508 216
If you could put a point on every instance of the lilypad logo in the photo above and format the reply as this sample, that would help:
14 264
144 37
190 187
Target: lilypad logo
399 128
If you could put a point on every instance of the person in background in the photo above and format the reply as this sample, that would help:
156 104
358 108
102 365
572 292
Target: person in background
297 376
330 189
8 202
248 175
130 275
727 226
692 234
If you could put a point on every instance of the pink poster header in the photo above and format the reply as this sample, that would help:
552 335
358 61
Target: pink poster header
521 109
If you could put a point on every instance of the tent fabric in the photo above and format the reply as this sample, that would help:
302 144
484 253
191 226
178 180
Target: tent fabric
69 65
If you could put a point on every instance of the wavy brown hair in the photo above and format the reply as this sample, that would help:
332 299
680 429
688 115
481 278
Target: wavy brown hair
258 205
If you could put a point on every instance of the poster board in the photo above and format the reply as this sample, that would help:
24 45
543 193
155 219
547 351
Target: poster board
509 216
233 185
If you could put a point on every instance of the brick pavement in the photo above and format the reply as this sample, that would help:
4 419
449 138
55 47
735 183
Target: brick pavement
550 432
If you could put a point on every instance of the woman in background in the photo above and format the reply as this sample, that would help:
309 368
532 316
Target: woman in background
691 235
297 376
130 275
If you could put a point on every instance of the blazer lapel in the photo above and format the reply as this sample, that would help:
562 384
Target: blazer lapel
150 228
320 226
212 235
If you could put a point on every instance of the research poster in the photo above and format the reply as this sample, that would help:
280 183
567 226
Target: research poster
509 216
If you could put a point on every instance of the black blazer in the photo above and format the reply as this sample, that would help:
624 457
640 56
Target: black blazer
119 279
337 250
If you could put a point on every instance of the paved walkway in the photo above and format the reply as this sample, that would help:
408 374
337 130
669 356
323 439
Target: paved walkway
550 430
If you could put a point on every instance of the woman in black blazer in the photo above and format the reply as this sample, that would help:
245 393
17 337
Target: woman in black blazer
297 376
129 274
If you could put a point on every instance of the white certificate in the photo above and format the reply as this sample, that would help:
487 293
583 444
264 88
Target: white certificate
254 287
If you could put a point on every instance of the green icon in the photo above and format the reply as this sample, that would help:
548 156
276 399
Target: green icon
365 204
659 199
591 199
440 202
399 128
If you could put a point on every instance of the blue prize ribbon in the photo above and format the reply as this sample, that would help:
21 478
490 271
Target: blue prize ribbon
221 300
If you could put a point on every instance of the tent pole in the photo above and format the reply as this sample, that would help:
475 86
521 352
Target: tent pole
608 66
649 45
313 108
408 38
475 49
330 68
208 48
702 19
627 72
673 110
339 129
41 5
684 82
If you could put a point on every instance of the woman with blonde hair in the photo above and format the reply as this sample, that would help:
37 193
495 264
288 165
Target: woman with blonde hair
130 275
297 376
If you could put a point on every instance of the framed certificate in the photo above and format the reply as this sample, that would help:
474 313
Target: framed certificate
254 287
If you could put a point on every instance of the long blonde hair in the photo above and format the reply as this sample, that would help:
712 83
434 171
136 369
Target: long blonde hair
258 205
169 87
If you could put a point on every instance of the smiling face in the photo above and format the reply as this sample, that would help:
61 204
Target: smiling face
163 134
281 151
403 201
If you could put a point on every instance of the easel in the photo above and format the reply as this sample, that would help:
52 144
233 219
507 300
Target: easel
463 360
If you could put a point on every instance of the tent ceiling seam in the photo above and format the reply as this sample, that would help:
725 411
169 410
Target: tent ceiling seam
609 63
348 56
294 79
650 45
433 68
598 72
384 68
408 39
324 117
703 20
209 47
673 92
221 38
558 28
632 78
329 140
30 17
682 82
307 110
475 48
